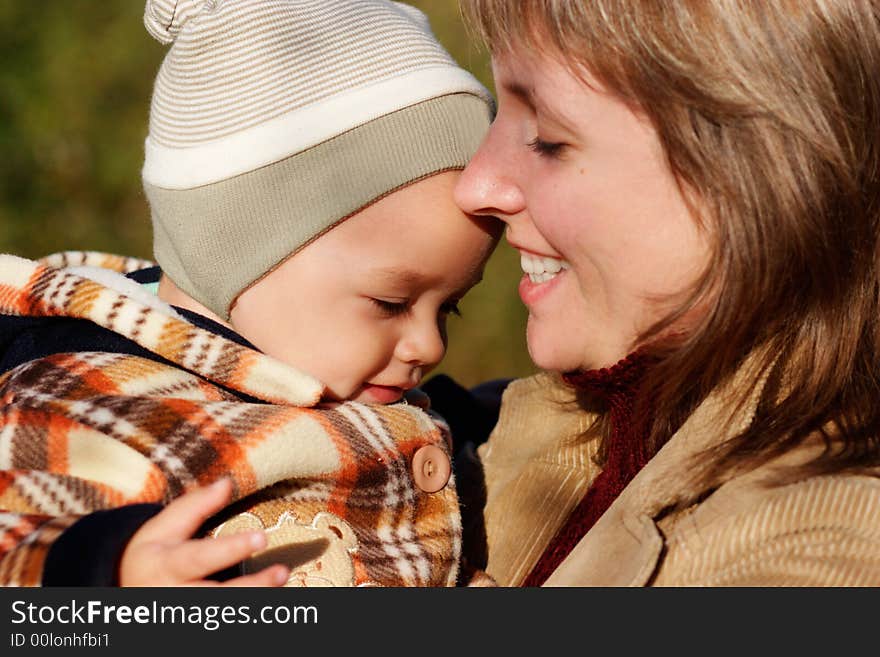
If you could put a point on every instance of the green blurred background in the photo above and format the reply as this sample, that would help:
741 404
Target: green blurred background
75 83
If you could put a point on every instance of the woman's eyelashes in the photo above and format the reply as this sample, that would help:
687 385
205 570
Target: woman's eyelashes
397 308
546 148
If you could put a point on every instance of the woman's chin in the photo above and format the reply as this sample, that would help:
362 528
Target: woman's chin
563 348
551 350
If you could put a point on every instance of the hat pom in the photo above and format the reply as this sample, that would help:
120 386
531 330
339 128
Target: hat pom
165 18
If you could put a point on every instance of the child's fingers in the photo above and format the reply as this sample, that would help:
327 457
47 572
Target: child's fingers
183 516
196 559
273 576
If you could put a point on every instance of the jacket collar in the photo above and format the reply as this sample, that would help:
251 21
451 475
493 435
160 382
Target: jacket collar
624 546
36 289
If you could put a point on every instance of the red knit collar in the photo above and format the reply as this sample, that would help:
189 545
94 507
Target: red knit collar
626 451
624 377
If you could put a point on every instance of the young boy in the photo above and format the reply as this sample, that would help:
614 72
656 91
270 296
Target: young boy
299 169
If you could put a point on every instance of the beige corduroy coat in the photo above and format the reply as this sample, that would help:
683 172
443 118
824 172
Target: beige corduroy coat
822 531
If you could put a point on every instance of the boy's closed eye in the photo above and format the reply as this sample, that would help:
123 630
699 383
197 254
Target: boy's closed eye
397 308
391 308
450 308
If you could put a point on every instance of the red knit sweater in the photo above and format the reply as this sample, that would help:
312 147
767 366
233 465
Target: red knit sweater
626 452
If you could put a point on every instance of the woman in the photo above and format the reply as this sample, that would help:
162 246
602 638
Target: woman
693 187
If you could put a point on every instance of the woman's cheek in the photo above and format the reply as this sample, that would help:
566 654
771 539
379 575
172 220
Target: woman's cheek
559 213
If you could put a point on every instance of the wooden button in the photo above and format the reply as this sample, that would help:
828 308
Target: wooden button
431 468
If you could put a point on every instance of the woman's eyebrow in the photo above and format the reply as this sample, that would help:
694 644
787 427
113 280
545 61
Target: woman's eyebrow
519 90
526 95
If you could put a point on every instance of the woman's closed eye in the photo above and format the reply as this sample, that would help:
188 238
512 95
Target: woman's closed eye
546 148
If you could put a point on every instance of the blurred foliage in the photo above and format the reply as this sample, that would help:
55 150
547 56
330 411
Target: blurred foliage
75 84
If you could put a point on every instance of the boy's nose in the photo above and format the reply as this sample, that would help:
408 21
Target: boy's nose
423 345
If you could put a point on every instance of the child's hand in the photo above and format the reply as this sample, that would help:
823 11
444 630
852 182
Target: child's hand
162 552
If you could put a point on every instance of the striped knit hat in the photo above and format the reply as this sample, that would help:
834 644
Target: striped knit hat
273 120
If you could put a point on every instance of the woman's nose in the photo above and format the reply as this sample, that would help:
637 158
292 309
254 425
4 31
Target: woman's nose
423 344
487 185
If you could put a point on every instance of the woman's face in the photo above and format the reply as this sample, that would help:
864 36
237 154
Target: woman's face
607 243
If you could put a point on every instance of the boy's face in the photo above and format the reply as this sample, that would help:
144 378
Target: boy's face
363 308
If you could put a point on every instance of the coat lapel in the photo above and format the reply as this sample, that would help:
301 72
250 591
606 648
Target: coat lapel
625 545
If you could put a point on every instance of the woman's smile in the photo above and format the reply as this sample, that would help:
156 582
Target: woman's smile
541 275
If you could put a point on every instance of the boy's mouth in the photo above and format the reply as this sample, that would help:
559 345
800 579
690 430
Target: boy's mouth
381 394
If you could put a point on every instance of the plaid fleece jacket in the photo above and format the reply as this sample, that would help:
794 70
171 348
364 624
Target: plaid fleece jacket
85 433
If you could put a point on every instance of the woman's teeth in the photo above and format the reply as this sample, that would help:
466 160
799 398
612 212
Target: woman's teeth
541 269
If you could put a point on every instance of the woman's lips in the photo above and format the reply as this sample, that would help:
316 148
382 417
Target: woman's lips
531 292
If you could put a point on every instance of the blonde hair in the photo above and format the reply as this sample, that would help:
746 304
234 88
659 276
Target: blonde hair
768 112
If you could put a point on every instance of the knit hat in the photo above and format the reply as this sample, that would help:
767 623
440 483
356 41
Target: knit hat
273 120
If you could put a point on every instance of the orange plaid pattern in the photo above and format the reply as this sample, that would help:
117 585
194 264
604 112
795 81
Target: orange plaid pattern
80 432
